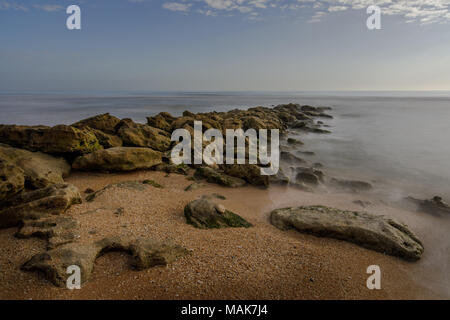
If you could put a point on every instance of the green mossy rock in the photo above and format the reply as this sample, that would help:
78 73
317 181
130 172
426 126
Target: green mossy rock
203 213
118 159
220 178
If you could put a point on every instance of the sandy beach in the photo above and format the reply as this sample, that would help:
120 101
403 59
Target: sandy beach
261 262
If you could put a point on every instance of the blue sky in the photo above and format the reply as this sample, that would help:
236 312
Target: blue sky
229 45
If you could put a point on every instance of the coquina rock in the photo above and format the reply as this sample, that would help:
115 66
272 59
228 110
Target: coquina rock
103 122
145 253
142 135
374 232
204 213
213 176
59 139
12 180
33 205
39 169
249 172
118 159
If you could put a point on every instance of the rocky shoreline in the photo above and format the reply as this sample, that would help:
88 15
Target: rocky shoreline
36 161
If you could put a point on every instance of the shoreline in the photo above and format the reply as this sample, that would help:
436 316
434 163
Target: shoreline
142 195
261 262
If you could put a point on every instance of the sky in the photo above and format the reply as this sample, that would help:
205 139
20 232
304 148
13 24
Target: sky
224 45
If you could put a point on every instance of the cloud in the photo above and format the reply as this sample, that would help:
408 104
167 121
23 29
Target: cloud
48 7
176 6
420 11
5 5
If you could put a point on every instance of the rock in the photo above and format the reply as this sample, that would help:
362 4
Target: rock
118 159
159 122
434 206
145 253
141 135
130 185
107 140
307 177
248 172
362 203
39 169
353 185
51 200
89 190
203 213
214 176
103 122
374 232
280 178
59 139
194 186
57 230
187 113
289 157
172 168
294 141
12 180
152 183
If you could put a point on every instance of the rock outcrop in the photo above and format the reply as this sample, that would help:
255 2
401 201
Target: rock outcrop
249 172
213 176
203 213
103 122
374 232
145 253
118 159
141 135
33 205
39 169
57 230
12 180
59 139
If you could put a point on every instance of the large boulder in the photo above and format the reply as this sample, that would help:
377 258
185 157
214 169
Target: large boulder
52 200
118 159
59 139
160 122
12 180
374 232
213 176
103 122
107 140
142 135
145 253
39 169
203 213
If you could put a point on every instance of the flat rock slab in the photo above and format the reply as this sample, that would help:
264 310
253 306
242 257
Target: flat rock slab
145 253
52 200
374 232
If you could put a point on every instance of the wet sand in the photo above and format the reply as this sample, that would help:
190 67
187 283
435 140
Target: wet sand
261 262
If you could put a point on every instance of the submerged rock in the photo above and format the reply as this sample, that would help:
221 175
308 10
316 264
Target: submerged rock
52 200
353 185
374 232
39 169
434 206
118 159
203 213
59 139
145 253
